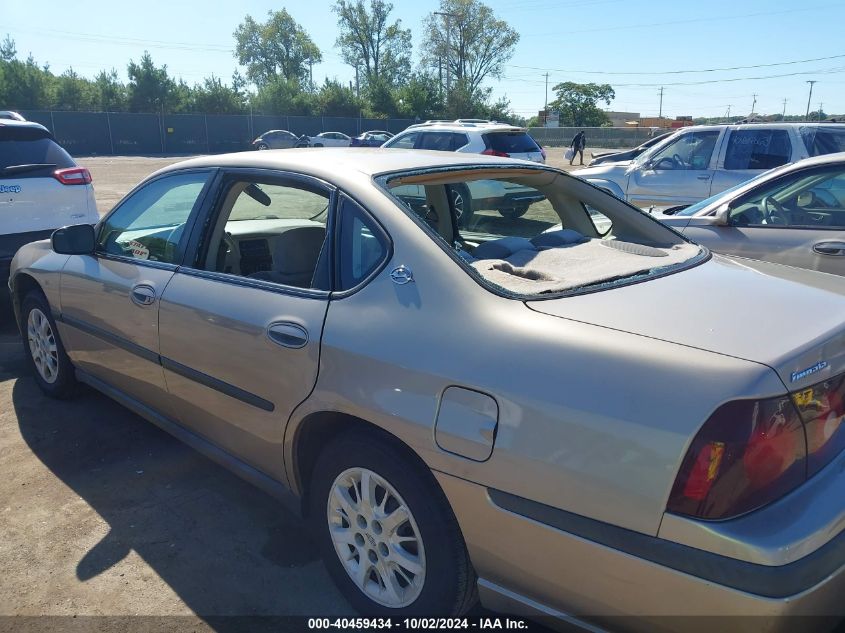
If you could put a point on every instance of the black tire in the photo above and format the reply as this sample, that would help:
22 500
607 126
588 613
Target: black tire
318 144
64 384
462 201
262 146
514 212
449 585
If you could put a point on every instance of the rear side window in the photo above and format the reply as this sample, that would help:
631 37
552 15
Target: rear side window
31 146
757 149
820 140
510 142
443 141
362 246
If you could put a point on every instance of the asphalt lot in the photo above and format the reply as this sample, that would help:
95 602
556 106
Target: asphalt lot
103 514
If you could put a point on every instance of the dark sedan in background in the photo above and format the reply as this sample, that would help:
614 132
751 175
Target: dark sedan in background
373 138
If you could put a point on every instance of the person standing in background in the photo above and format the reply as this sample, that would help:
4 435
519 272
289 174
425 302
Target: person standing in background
579 142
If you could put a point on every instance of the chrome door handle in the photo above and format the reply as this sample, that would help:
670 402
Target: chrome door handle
836 249
288 335
143 295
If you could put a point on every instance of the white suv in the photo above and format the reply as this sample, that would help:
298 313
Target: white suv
41 189
477 136
704 160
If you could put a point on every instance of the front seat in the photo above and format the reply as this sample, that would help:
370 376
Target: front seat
295 254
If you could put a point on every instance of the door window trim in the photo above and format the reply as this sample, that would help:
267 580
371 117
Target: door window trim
205 224
199 204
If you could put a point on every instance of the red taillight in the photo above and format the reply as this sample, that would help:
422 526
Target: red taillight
747 454
73 176
822 407
495 152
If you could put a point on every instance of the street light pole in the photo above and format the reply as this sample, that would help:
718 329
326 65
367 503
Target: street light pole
811 82
446 17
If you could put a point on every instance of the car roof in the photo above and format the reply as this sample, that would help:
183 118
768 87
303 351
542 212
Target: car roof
453 126
325 162
15 123
762 124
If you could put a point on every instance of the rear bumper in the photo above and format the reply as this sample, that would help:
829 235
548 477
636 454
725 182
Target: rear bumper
528 564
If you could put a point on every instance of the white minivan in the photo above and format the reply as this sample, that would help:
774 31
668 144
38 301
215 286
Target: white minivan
41 189
704 160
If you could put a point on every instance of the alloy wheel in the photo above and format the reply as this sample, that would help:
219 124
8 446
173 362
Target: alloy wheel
376 537
42 345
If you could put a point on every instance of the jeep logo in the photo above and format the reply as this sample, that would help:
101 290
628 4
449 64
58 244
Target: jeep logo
10 188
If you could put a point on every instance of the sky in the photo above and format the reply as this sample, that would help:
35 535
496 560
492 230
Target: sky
708 57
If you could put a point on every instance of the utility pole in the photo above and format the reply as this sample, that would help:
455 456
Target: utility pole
728 114
660 114
783 116
357 86
821 105
440 76
310 74
546 102
811 82
753 104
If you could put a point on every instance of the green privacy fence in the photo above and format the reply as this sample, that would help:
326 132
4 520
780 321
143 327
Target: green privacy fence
125 133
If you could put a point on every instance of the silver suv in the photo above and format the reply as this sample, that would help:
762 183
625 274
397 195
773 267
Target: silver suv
702 161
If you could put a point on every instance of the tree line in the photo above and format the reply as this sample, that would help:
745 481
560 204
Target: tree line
461 50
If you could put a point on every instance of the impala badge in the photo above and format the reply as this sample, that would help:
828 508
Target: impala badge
401 275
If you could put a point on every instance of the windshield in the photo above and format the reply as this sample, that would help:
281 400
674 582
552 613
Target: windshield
537 232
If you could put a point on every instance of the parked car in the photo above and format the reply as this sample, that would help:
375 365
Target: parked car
624 424
477 136
790 215
374 138
701 161
279 139
11 115
603 158
41 189
329 139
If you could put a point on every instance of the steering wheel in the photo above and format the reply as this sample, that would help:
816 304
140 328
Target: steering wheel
774 211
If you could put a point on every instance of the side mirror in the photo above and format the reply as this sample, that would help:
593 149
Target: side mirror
74 240
722 217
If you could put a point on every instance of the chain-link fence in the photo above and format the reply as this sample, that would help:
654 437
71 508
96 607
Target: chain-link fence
125 133
612 137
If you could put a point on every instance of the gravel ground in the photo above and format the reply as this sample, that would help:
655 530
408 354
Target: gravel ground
103 514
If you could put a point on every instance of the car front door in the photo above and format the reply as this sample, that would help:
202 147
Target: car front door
749 152
798 219
241 324
110 300
678 174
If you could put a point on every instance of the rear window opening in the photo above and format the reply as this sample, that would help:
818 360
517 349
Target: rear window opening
515 142
537 233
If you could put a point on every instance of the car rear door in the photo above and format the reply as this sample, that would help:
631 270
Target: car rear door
33 198
110 300
749 151
797 219
678 174
241 323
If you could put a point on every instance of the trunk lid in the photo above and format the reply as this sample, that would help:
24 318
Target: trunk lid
789 319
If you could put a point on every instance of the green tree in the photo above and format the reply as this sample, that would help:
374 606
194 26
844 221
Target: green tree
368 40
335 99
283 96
469 40
578 103
8 50
74 92
111 91
150 89
214 97
279 47
420 97
25 85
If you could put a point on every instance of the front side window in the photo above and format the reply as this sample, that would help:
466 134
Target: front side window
757 149
270 231
533 232
687 152
150 223
404 142
807 199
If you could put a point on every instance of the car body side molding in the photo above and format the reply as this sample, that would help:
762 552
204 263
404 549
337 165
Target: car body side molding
187 372
762 580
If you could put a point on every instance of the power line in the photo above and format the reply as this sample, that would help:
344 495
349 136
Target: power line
681 72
